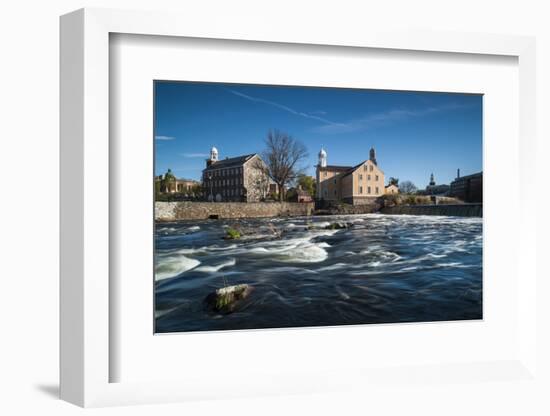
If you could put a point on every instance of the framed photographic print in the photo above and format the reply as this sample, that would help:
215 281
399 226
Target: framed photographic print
295 208
267 229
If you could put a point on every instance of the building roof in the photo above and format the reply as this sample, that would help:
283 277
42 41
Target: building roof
353 168
335 168
186 180
391 184
230 162
473 175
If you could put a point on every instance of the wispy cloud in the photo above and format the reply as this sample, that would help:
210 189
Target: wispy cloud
380 118
283 107
164 138
193 155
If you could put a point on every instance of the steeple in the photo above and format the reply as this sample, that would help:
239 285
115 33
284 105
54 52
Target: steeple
432 180
322 158
213 154
372 155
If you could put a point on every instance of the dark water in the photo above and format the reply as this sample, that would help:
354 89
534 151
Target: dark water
383 269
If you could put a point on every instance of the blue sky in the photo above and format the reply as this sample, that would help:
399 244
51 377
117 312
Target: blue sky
414 133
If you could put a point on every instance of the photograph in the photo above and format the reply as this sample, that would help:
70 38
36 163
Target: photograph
300 206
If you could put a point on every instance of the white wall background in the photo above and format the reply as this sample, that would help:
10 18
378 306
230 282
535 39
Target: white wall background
29 226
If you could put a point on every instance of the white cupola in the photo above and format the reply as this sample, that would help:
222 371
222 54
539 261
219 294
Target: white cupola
322 158
213 154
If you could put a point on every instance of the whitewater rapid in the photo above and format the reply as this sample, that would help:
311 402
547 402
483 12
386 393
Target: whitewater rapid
380 269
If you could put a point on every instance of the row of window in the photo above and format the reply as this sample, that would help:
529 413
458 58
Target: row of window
376 190
232 192
366 167
224 172
226 182
376 177
181 187
229 192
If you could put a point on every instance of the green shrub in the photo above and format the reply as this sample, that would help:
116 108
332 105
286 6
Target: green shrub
232 234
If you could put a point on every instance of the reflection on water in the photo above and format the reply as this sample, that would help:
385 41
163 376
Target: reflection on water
382 269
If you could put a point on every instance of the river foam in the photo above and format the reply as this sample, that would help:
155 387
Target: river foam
169 267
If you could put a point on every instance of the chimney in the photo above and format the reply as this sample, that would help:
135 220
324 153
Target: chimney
458 173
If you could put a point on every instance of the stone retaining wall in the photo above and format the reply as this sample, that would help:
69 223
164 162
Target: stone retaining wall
458 210
188 210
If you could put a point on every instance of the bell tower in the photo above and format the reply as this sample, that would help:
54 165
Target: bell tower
322 158
372 155
213 156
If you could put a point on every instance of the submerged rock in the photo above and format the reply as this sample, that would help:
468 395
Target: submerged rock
338 225
227 299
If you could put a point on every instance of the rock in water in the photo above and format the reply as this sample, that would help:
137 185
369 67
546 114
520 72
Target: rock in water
227 299
339 226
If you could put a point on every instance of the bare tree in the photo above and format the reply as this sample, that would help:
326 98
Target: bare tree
282 157
407 187
261 183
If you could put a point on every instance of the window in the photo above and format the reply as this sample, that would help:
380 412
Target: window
370 168
365 168
326 193
376 190
368 177
335 192
360 177
334 181
368 190
325 173
360 189
376 179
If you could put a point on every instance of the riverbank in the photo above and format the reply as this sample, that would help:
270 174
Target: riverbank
190 210
454 210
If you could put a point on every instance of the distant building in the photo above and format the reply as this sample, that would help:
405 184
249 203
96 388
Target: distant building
238 179
391 189
468 188
301 195
434 189
357 185
169 184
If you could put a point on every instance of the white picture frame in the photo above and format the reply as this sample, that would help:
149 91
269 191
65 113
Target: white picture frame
85 213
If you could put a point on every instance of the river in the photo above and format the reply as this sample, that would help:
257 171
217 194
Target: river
382 269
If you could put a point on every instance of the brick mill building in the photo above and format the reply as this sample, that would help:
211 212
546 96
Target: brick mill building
357 185
468 188
237 179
